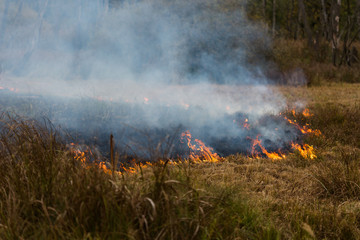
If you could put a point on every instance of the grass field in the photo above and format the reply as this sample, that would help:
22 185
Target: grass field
47 194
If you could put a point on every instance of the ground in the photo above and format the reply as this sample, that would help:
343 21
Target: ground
46 193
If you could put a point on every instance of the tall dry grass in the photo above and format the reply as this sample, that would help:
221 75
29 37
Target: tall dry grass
47 194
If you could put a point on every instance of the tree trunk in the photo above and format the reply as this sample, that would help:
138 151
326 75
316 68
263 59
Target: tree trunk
273 17
325 20
335 30
292 20
264 9
298 27
307 28
351 31
358 12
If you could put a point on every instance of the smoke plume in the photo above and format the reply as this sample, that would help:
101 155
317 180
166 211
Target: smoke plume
143 70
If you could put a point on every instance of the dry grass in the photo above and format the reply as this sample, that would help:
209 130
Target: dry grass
46 194
333 93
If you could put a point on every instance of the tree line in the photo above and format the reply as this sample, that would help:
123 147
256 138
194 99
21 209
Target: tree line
332 22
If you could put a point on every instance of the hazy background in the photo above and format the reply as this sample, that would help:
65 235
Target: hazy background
162 64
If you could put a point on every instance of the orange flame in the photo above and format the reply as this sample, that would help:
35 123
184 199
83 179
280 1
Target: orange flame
246 124
293 112
272 155
306 113
133 167
82 157
306 151
199 152
304 129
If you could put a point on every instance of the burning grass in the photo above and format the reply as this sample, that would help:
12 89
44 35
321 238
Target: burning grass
48 192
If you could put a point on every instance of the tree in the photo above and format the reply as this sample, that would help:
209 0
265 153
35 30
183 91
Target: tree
304 18
350 31
273 17
335 29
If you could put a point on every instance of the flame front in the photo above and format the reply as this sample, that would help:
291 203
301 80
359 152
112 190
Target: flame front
303 129
305 151
198 151
272 155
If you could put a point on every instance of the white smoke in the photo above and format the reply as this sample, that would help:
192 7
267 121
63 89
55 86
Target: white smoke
188 63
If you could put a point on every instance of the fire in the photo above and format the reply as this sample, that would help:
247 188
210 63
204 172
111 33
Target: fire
135 167
79 156
272 155
306 151
185 105
146 100
293 112
132 167
82 156
199 152
246 124
307 113
304 129
10 89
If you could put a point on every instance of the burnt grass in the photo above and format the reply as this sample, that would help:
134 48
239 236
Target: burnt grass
47 194
90 122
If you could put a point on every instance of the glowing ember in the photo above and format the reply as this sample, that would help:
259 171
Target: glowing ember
246 124
198 150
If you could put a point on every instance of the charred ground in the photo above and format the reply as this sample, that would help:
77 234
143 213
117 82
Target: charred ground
91 121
